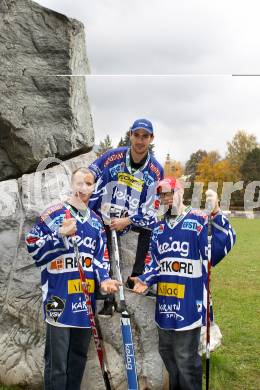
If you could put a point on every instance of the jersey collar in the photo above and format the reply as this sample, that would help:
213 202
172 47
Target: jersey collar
172 222
79 217
128 163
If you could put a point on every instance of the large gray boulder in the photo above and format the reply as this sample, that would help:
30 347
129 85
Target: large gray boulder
44 111
21 326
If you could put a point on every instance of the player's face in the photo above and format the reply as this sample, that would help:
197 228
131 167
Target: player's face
173 200
140 141
83 185
166 198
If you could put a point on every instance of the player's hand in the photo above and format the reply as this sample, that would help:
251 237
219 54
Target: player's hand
68 227
119 223
139 287
212 201
110 286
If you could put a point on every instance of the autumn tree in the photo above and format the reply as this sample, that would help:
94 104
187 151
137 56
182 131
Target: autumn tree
191 164
241 144
250 169
172 168
104 146
213 169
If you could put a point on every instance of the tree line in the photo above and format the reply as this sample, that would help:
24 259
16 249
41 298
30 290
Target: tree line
241 163
106 144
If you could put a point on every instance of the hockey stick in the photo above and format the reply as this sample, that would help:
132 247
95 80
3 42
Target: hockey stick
208 302
125 324
94 323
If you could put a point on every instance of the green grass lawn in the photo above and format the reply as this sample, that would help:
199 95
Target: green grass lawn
236 298
236 295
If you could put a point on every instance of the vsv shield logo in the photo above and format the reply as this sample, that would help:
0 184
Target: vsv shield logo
55 307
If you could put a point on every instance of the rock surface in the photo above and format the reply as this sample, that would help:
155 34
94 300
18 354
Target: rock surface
21 325
42 114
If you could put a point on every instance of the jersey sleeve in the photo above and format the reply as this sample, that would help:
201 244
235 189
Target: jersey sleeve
96 197
100 263
223 239
43 244
97 166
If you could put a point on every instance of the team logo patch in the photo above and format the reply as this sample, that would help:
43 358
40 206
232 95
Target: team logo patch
171 290
50 210
130 181
31 239
57 264
174 266
69 262
159 229
96 224
112 158
174 246
148 259
155 170
78 306
75 287
181 267
149 180
171 311
124 196
106 255
55 307
192 225
115 170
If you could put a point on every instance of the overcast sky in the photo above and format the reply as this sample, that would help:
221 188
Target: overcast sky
172 62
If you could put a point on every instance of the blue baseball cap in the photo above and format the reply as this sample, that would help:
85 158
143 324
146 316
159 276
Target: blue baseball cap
142 124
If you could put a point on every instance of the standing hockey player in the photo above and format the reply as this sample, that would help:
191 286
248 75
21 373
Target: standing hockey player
50 244
126 185
179 267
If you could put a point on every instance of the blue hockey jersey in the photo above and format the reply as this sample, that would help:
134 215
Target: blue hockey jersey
63 299
178 264
124 191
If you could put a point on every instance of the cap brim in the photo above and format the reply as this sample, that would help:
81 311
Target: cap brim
142 128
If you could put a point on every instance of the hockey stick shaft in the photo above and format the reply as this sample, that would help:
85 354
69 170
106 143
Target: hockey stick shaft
117 264
126 330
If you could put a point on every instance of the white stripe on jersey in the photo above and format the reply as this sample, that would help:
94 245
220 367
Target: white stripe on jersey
45 288
231 238
47 254
220 228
